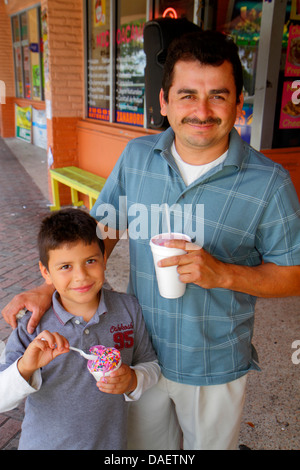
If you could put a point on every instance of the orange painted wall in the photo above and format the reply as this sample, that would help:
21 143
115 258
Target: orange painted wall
289 158
63 142
7 118
100 144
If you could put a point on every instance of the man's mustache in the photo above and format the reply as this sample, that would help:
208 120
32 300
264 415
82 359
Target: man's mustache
199 122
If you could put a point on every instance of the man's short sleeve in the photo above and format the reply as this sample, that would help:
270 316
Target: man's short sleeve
278 235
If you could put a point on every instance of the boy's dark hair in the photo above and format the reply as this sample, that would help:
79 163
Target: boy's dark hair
64 227
209 48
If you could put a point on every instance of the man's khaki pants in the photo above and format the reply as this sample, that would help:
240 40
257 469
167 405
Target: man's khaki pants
209 416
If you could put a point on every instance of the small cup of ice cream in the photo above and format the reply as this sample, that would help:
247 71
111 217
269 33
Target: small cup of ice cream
106 361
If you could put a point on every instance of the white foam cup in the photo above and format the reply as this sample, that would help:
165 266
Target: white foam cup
169 284
98 374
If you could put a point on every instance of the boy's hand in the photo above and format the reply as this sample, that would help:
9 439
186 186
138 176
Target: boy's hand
120 381
42 350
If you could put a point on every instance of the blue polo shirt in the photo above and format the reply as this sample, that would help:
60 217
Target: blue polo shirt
242 211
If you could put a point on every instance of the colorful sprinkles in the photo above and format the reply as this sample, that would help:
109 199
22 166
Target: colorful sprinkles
106 359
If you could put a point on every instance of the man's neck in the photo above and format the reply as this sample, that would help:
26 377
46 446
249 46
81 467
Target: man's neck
200 155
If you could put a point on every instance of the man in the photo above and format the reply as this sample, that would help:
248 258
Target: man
250 247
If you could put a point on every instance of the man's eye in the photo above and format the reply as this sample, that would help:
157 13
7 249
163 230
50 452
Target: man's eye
217 97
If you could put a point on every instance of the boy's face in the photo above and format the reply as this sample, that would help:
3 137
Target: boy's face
77 272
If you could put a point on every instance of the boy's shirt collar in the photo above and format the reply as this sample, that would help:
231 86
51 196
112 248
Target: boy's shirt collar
63 316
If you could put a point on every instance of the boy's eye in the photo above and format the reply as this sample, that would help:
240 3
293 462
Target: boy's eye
65 267
91 261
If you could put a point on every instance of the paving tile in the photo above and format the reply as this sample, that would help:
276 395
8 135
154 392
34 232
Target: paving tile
8 431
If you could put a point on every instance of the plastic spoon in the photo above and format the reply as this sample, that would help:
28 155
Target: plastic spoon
90 357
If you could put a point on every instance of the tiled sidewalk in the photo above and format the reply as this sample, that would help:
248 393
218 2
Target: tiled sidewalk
22 206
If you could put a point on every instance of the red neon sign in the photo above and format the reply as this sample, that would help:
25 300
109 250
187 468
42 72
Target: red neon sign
170 12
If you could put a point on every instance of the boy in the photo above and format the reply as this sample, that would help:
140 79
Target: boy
64 408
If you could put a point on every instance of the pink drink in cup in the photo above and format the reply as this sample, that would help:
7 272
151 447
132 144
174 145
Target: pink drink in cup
168 281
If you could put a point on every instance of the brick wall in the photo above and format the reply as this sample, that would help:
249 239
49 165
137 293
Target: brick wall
65 33
6 75
64 85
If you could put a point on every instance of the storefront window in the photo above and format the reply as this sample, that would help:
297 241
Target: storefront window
19 75
35 55
287 117
98 66
131 62
27 54
242 20
115 65
115 55
17 55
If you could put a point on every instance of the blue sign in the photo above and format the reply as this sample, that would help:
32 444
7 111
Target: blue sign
34 47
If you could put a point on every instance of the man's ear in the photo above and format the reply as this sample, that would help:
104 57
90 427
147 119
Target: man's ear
163 103
45 273
239 107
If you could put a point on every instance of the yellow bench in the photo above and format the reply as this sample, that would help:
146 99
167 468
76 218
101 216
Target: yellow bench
78 180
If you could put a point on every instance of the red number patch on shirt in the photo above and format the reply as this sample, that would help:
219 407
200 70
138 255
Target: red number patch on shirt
123 339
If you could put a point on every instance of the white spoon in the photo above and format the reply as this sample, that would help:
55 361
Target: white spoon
90 357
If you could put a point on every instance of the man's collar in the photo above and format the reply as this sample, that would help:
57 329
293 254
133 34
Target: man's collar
236 151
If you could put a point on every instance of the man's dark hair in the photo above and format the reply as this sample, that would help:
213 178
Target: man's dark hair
65 227
209 48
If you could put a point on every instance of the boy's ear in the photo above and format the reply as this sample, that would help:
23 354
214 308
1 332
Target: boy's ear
45 273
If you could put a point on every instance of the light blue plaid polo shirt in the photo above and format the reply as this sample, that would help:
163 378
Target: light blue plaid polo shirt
251 212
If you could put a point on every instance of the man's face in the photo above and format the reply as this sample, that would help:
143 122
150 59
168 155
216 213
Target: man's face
201 109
